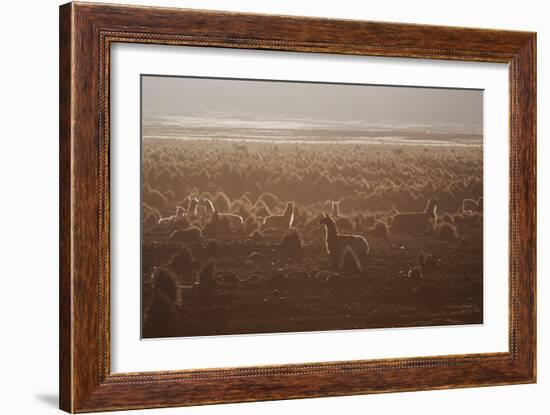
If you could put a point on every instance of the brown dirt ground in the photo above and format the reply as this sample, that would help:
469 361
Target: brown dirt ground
275 294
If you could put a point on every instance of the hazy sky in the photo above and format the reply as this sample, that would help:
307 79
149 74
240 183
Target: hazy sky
294 100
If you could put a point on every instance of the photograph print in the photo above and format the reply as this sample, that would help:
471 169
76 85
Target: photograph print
274 206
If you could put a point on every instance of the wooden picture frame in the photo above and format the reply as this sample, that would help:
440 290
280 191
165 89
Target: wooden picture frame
86 33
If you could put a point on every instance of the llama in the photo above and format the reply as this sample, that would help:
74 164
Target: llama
291 245
170 220
149 217
425 266
446 231
337 243
335 208
186 203
148 220
342 223
190 234
416 222
206 278
427 263
233 219
349 262
181 262
415 273
192 215
281 222
192 207
470 205
161 315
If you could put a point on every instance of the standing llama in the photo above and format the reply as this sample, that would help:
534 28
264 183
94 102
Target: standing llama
281 222
192 207
337 243
416 222
470 205
342 223
233 219
161 313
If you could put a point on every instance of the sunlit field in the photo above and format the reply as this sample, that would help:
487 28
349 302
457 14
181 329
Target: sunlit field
234 231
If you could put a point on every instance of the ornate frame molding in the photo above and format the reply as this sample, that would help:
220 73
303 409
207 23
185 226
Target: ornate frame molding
86 34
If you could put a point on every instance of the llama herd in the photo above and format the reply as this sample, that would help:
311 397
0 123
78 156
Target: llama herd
284 232
198 217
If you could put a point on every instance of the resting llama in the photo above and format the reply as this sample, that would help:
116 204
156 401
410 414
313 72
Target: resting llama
170 220
337 244
281 222
416 222
470 206
233 219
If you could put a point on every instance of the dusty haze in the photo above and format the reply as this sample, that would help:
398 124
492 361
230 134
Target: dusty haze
313 100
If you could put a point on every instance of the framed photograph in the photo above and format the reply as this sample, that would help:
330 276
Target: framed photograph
259 207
